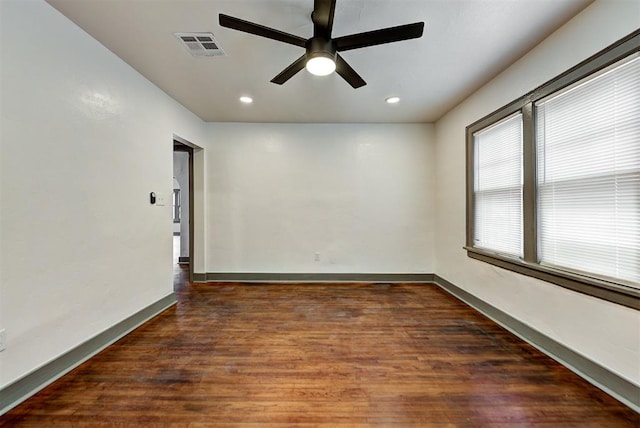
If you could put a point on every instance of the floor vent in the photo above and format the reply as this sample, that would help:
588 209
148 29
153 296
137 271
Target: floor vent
200 44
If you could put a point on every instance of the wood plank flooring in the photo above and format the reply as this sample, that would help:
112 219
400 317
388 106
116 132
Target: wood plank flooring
320 354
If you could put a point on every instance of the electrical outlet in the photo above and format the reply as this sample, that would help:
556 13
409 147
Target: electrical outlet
317 256
3 339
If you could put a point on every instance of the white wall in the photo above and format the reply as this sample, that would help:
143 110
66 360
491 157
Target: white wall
359 195
84 140
604 332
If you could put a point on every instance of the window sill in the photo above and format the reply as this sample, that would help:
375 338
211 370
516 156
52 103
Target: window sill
612 292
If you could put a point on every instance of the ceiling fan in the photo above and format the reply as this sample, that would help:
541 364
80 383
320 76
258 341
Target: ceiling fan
322 57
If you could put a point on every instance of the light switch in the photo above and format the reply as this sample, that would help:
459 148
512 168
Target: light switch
160 199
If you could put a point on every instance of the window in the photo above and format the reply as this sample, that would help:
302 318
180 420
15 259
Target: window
553 182
498 187
177 209
588 144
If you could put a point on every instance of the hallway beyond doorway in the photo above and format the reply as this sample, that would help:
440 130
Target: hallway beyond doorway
176 250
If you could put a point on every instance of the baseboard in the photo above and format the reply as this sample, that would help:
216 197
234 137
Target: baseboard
311 277
601 377
20 390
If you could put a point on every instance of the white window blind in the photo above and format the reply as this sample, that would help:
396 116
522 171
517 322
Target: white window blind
588 156
498 187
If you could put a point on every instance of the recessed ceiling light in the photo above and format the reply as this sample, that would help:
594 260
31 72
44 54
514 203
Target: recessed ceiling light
392 100
246 100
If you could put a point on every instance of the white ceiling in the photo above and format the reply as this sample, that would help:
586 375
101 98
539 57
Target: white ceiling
465 43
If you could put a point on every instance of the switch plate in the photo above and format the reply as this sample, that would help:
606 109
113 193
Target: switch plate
3 339
160 199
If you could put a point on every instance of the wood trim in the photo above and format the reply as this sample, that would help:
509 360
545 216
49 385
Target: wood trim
198 277
191 213
470 180
601 377
23 388
594 287
529 186
312 277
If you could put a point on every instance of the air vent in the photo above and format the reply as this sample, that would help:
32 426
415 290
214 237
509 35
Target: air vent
200 44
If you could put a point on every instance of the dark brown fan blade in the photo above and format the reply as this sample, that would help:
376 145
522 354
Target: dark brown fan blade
322 17
348 73
290 71
260 30
379 37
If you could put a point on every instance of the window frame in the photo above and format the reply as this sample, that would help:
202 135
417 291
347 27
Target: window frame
528 265
177 206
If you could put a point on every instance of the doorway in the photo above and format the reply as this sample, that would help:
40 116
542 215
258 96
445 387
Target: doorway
182 211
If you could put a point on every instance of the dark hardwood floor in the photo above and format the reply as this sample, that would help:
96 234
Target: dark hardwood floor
320 354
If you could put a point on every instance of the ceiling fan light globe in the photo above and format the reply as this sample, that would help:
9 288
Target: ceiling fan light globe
321 65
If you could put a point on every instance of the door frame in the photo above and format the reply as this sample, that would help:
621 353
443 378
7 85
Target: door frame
180 146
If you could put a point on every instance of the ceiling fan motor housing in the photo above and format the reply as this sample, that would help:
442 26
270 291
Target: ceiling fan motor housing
319 46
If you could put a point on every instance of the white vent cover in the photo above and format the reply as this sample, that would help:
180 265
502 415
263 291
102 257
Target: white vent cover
200 44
